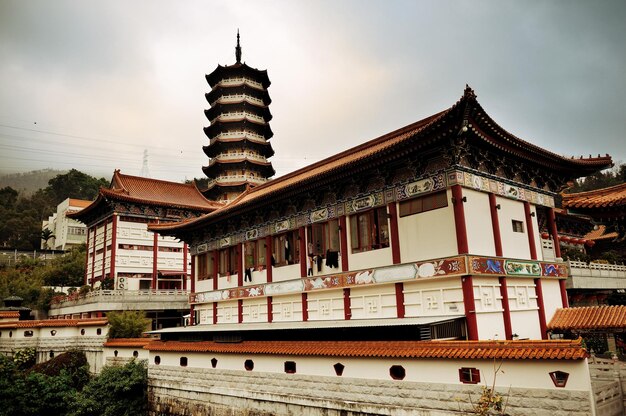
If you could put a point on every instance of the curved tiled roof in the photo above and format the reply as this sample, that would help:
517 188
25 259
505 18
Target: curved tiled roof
54 323
474 350
599 234
9 314
612 196
589 318
128 342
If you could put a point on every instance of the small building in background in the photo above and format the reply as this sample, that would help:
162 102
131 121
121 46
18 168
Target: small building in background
66 232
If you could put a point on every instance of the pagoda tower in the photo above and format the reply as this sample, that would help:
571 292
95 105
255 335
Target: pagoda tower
239 129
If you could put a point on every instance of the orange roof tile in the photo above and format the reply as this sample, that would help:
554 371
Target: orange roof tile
599 234
589 318
55 323
79 203
128 342
525 350
9 314
600 198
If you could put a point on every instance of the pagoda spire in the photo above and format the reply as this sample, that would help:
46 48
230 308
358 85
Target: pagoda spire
238 49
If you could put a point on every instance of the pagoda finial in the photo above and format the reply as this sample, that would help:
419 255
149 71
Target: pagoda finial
238 49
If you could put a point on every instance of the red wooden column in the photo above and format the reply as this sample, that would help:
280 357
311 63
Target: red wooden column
93 258
531 231
470 308
216 267
344 243
193 289
305 307
542 310
185 253
495 224
155 251
214 313
87 258
239 310
268 258
240 264
506 310
554 231
459 219
303 251
564 300
113 245
400 299
270 311
104 249
347 309
395 237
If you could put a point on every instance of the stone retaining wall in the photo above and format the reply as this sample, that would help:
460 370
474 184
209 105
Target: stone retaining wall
176 391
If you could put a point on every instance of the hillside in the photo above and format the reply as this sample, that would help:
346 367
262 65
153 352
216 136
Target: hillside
29 182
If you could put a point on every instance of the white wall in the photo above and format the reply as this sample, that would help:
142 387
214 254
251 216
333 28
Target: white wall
488 306
478 223
514 245
373 302
228 312
524 308
325 305
287 308
436 297
289 272
255 310
551 296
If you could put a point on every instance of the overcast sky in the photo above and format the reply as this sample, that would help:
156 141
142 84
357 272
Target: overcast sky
92 84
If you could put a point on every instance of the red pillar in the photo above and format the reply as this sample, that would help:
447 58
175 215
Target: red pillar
506 310
303 251
87 258
531 231
395 237
214 313
495 224
270 312
554 231
470 308
542 310
155 251
113 245
104 249
459 219
268 258
305 307
216 267
193 274
185 254
347 309
240 310
564 300
400 299
239 264
93 258
344 243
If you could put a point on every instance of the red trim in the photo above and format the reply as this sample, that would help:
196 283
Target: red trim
268 258
495 225
554 231
531 231
400 299
542 309
192 315
240 310
104 249
193 274
564 300
155 251
305 307
459 220
216 267
395 237
214 313
93 259
185 256
303 253
270 310
470 308
239 265
87 259
113 245
347 310
344 243
506 310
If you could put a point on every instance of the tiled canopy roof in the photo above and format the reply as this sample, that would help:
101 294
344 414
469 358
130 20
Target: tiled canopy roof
524 350
128 342
54 323
9 314
599 234
600 198
589 318
416 135
79 203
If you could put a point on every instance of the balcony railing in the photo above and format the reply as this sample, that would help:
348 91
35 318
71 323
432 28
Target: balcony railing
596 275
96 296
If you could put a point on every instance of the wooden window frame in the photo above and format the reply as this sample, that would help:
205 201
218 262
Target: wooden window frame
377 229
469 375
423 203
322 232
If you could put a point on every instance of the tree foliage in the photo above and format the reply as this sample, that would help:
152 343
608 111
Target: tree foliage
604 179
127 324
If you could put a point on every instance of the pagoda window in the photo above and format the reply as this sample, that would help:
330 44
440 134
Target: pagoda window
518 226
254 254
323 237
423 204
228 261
206 266
286 248
369 230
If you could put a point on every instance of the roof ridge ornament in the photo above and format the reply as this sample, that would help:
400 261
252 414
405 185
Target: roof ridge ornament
238 49
469 92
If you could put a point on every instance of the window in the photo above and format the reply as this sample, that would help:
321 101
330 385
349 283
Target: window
286 248
227 261
248 365
51 354
369 230
559 378
423 203
99 331
469 375
518 226
339 368
206 266
323 237
254 254
157 359
397 372
135 354
183 361
82 331
290 367
115 353
214 362
28 333
53 332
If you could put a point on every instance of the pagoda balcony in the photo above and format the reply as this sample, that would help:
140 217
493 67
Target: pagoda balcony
230 179
236 135
236 98
233 82
118 300
237 156
238 116
596 276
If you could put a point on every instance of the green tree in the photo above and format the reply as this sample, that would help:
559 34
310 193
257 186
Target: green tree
127 324
74 184
8 197
46 235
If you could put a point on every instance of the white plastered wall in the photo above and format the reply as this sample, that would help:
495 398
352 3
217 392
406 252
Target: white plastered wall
478 223
488 306
373 302
325 305
551 296
287 308
514 244
433 297
523 307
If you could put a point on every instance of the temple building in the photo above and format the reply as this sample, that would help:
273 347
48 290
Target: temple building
239 130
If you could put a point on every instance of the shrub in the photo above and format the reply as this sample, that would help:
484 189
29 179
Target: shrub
127 324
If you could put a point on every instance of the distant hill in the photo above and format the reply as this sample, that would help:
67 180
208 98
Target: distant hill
29 182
